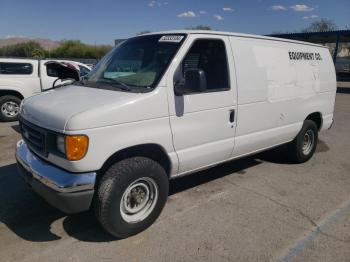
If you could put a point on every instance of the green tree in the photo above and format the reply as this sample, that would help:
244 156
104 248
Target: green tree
28 49
38 53
67 49
100 51
321 26
70 48
77 49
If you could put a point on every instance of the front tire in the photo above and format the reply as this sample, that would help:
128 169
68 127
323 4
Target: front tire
9 108
131 195
302 148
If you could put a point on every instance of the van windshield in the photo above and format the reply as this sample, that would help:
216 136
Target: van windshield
136 64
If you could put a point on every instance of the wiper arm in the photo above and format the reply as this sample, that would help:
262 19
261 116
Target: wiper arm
119 84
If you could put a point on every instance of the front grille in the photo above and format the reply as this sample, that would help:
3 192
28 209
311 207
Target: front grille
34 136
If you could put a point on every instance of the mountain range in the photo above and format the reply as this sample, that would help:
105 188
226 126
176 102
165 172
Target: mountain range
47 44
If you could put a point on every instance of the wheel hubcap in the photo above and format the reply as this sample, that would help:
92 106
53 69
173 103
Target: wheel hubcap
10 109
308 142
139 200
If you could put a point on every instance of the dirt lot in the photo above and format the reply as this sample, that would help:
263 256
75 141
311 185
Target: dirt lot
260 208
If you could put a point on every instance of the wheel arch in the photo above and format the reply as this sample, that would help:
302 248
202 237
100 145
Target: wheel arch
152 151
4 92
317 118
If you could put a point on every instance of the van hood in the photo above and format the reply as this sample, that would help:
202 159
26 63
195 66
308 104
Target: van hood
73 107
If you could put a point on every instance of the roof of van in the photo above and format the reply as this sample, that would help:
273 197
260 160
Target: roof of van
211 32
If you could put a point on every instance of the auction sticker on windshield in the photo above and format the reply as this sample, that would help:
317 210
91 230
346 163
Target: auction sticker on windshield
171 38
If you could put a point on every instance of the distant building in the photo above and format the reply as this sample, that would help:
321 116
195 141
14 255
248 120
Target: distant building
337 41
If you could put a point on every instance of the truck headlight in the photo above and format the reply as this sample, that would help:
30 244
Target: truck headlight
60 144
73 146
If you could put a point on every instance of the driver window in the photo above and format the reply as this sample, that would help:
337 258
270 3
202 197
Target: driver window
209 55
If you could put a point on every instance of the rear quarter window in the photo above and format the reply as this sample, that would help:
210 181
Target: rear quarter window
16 68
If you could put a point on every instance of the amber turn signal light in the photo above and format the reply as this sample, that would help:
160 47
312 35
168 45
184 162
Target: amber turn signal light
76 146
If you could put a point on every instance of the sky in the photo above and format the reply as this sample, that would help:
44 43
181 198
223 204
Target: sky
102 21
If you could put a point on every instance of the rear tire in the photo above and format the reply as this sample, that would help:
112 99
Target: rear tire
302 148
131 195
9 108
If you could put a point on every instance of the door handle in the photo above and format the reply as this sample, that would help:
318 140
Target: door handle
232 116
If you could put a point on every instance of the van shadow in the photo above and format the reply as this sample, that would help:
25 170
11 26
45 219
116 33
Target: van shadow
32 219
321 147
22 211
279 155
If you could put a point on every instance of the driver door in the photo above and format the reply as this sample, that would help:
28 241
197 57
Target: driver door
203 123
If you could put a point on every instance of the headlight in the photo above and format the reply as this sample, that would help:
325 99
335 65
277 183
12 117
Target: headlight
73 146
60 144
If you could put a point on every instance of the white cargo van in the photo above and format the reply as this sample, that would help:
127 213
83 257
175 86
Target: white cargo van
22 78
167 104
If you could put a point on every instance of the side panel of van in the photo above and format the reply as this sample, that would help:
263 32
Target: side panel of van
279 85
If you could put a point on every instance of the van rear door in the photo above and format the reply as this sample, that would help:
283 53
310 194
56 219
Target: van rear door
203 123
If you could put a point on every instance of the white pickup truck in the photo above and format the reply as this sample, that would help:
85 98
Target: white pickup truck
22 78
167 104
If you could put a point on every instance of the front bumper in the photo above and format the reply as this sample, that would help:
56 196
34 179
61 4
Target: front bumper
69 192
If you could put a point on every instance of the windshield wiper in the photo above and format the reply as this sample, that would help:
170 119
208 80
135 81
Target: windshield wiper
116 83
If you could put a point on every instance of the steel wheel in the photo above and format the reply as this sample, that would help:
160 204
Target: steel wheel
308 142
131 195
10 109
139 200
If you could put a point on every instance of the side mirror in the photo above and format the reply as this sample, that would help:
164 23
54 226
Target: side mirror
67 71
195 82
63 71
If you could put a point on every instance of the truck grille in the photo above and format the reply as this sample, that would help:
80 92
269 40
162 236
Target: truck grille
34 136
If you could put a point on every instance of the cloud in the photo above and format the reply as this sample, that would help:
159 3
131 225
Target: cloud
203 12
152 3
310 17
278 8
302 8
218 17
188 14
228 9
156 3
